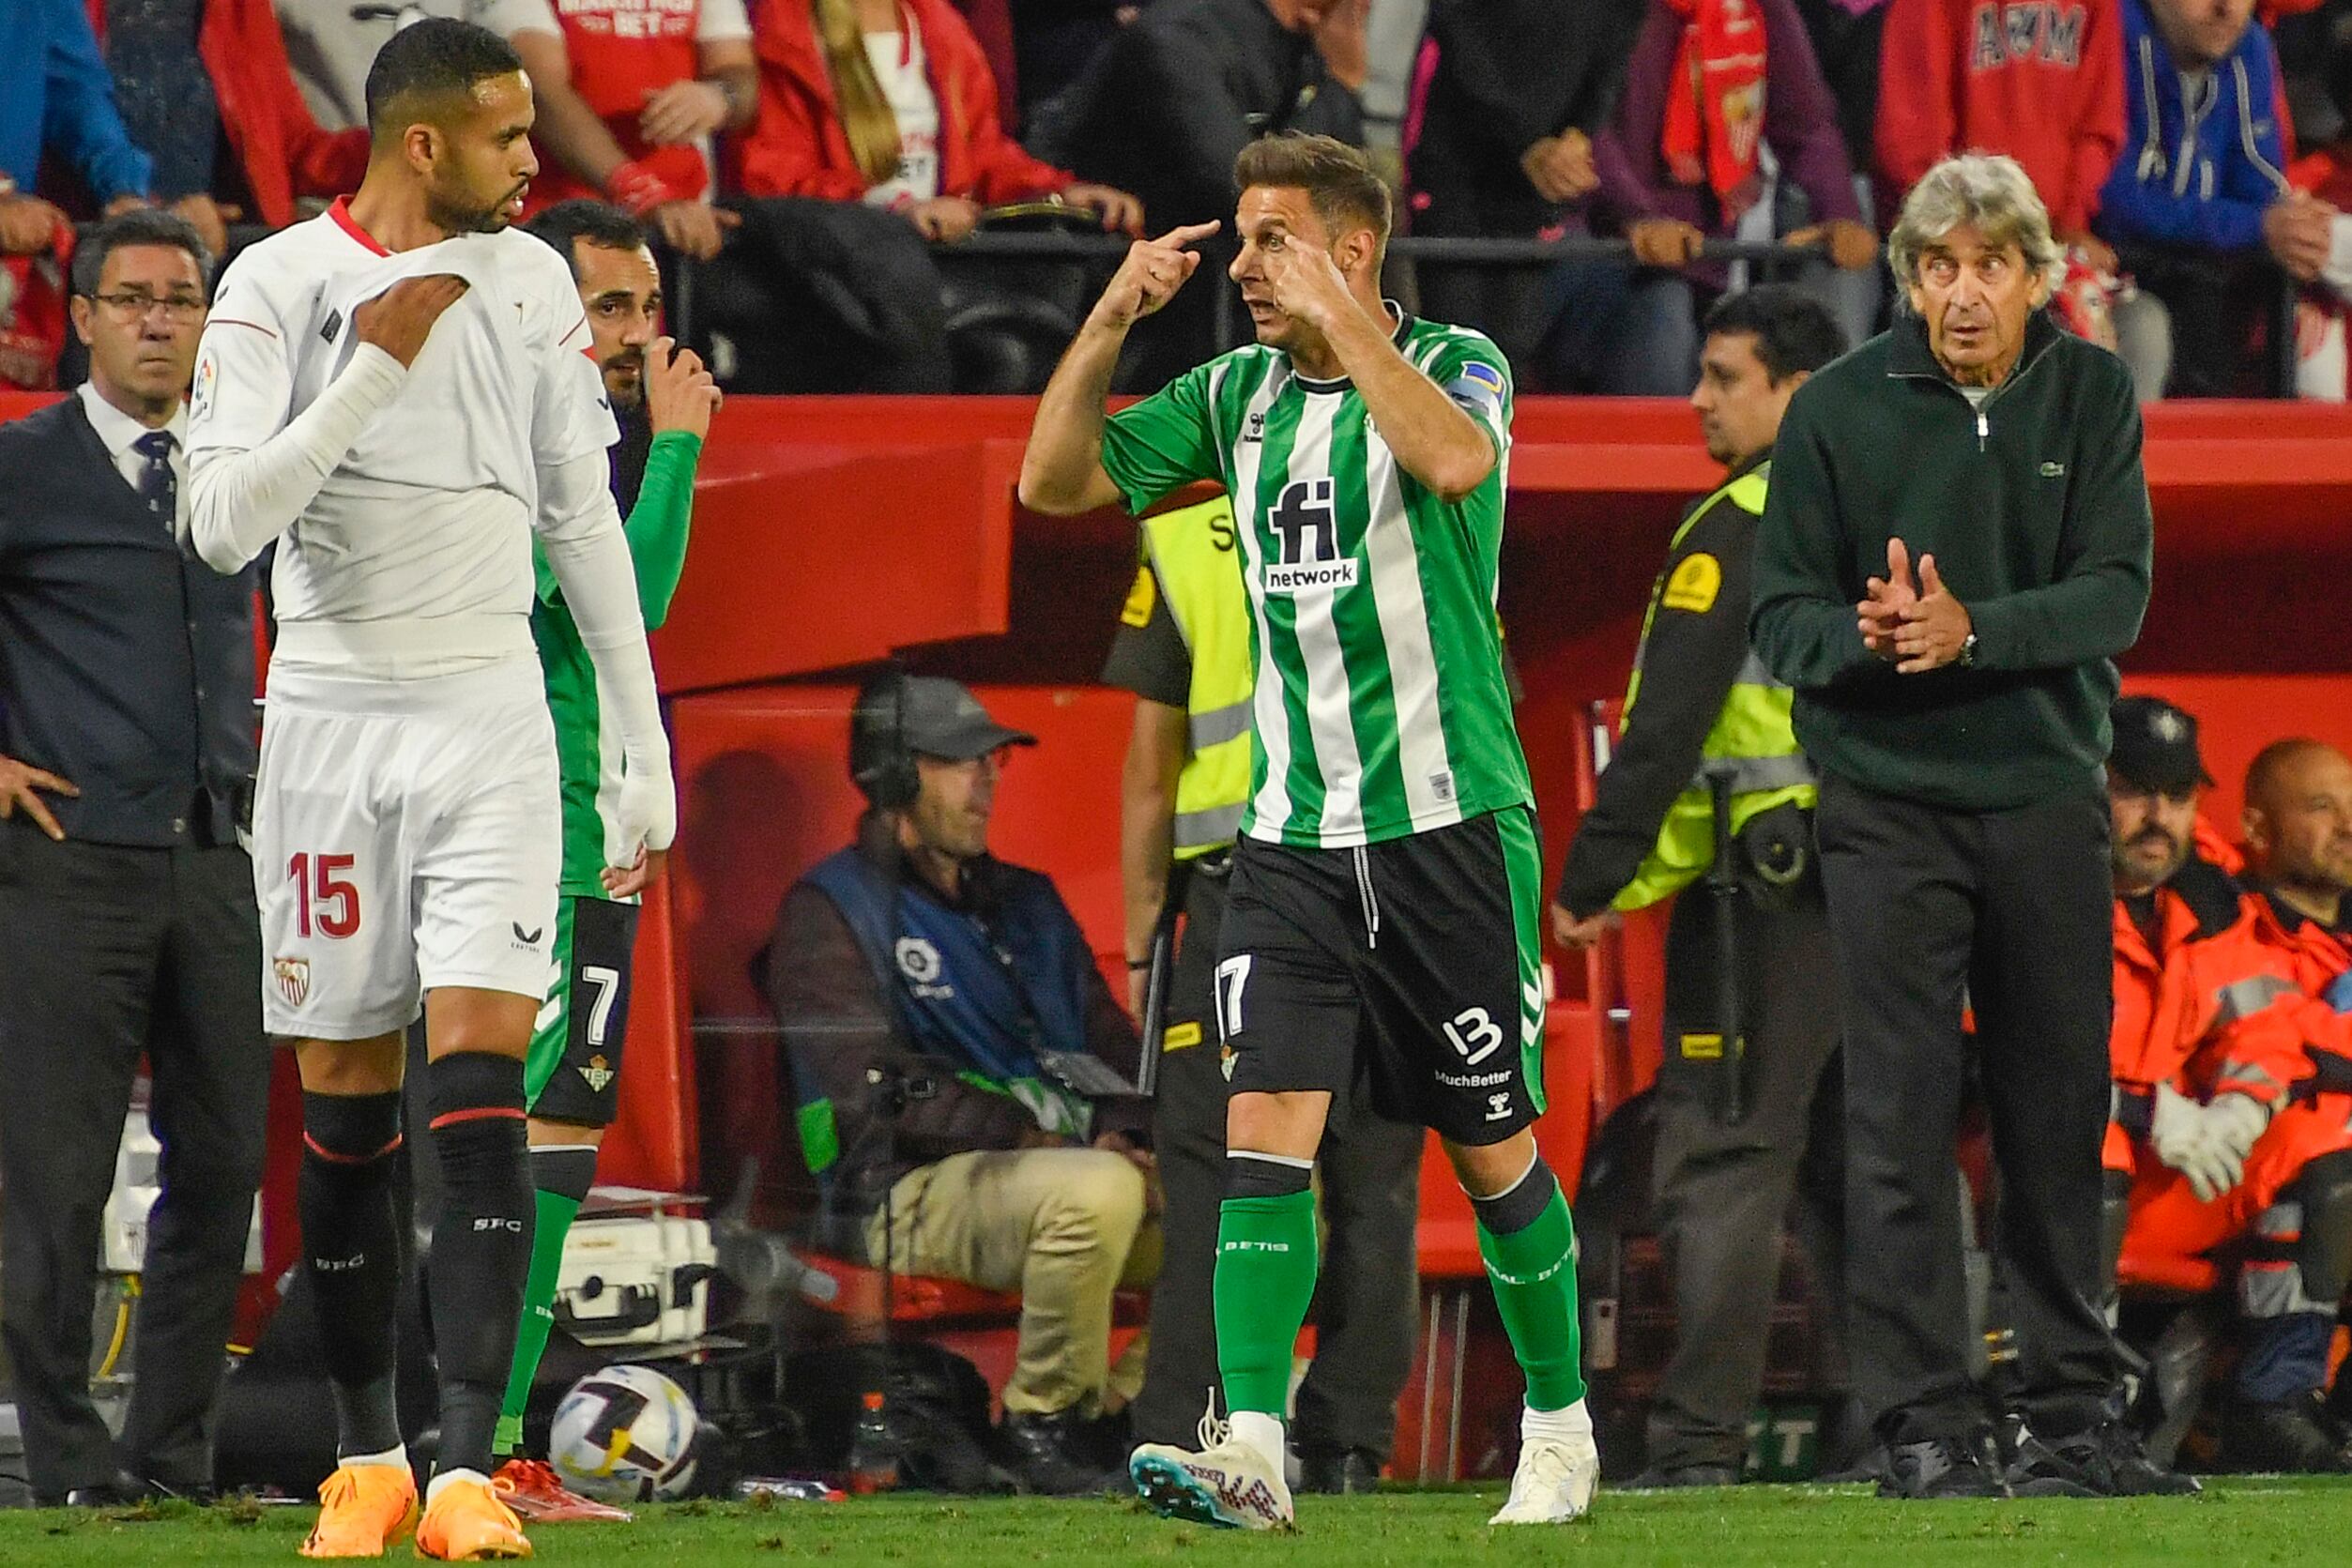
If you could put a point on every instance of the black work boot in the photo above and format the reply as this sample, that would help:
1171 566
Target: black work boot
1943 1468
2106 1460
1053 1455
1338 1470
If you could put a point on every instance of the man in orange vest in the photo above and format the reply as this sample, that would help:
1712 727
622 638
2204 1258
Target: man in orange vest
2222 1150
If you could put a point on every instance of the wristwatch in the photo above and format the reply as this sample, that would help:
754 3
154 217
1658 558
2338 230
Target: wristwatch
1966 659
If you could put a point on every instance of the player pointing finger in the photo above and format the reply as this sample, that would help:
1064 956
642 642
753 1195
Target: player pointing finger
1149 278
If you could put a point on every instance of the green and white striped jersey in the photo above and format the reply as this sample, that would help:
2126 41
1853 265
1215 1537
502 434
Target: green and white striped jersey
1380 708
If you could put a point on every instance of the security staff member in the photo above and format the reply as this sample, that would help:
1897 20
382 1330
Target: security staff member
1699 705
126 904
1182 648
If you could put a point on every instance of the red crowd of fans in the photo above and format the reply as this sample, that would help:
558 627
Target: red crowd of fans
2161 133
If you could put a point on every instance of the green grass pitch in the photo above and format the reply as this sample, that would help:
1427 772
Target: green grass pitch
2237 1521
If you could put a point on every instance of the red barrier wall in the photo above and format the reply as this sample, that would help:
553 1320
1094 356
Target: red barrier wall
832 532
901 510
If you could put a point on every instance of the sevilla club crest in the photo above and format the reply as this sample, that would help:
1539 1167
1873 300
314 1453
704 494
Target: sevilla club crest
294 980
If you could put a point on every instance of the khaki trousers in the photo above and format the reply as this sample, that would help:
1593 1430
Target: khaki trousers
1062 1226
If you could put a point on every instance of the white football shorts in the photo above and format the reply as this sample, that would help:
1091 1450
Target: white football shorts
406 835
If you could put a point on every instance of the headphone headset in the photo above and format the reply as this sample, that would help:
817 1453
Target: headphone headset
880 764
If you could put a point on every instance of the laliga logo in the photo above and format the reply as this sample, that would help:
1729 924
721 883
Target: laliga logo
918 960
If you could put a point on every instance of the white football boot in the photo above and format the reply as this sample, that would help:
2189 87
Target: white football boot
1555 1482
1228 1483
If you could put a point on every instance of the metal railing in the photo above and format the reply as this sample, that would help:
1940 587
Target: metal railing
1474 253
1105 251
1107 248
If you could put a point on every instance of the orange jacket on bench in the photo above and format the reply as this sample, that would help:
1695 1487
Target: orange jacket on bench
2183 1007
2315 957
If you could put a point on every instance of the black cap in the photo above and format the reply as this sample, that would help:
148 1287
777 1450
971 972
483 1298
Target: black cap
2155 746
942 718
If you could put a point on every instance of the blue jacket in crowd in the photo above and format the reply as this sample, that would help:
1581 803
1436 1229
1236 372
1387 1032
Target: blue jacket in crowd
55 95
2197 177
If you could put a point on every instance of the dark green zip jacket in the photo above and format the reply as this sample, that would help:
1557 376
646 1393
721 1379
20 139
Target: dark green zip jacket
2036 511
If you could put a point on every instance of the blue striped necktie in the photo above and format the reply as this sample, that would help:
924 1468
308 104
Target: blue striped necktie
158 485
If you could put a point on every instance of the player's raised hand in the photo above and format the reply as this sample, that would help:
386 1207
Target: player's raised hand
399 319
680 393
1306 283
1154 270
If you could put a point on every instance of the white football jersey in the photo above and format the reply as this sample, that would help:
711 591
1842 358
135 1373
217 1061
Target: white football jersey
428 517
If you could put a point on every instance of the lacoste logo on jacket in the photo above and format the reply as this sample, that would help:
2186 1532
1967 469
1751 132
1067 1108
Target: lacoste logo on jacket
2053 470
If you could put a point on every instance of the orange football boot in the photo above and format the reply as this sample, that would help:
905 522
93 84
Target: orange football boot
469 1522
362 1509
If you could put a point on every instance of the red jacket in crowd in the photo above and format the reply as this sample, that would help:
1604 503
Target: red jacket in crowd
278 144
797 147
2041 81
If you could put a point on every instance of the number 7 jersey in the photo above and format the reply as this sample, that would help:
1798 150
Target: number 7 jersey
1380 708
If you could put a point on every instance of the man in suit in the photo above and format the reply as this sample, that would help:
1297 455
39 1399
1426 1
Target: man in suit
126 753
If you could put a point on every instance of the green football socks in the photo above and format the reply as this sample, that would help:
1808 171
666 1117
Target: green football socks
561 1177
1265 1278
1533 1269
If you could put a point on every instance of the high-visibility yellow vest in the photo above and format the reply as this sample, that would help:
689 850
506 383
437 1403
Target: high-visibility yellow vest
1752 740
1192 552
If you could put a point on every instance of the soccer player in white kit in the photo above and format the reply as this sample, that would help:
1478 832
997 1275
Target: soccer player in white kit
399 394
